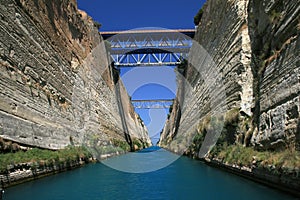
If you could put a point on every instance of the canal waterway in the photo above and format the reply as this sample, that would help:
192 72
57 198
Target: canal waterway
183 178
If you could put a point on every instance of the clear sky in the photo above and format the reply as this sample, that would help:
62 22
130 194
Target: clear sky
131 14
151 83
145 82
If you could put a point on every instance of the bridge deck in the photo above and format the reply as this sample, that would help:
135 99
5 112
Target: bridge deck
187 32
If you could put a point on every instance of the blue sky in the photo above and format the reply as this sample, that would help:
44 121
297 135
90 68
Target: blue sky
145 82
151 83
131 14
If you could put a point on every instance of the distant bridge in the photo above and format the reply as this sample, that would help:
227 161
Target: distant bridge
152 104
149 47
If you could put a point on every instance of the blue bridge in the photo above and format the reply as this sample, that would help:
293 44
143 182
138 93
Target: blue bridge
149 47
152 104
160 47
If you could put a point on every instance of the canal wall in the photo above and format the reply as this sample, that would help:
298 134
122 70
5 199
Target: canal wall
288 182
250 108
57 81
24 172
223 34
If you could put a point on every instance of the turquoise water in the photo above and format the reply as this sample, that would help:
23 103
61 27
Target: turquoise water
183 179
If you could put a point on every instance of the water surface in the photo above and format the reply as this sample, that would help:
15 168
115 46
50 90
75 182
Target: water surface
183 179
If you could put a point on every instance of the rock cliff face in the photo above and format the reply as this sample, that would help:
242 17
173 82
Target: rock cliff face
254 46
223 33
58 87
242 108
275 28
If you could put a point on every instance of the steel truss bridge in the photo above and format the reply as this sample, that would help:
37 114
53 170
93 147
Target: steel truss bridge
152 104
149 47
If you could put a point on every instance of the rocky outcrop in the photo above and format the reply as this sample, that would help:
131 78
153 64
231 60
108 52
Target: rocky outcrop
58 87
274 31
218 71
254 46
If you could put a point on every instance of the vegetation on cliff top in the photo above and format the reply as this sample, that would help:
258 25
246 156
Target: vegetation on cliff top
198 17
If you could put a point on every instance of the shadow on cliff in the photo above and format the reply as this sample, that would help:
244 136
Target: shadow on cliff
116 78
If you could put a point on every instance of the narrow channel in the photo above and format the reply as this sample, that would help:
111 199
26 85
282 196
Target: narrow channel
182 179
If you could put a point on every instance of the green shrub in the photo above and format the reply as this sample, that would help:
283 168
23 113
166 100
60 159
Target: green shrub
198 17
47 157
97 24
138 143
244 156
122 144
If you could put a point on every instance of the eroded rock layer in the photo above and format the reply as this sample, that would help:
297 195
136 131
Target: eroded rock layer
275 28
58 87
254 48
219 71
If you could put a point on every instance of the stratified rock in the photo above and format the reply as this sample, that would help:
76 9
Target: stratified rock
219 71
249 65
57 85
275 43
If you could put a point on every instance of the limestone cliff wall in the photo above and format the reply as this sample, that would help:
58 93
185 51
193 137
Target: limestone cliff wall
254 46
218 71
274 31
57 84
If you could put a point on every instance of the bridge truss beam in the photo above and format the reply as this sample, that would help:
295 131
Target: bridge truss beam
152 104
149 47
151 59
